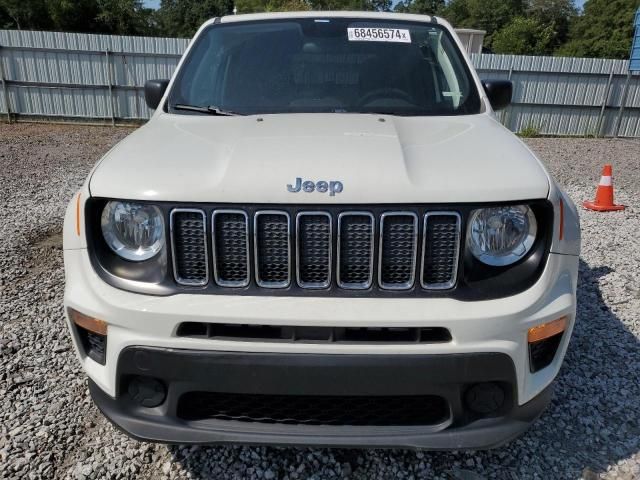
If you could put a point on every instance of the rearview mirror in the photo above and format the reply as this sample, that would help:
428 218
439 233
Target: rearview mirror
153 92
499 92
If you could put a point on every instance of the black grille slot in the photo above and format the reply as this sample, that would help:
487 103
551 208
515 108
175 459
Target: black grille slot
94 344
315 409
231 248
441 244
272 249
372 335
189 243
398 239
355 250
314 250
542 352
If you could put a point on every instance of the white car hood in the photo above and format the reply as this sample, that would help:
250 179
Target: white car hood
378 159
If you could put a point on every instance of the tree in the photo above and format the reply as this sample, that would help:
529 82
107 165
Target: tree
26 14
366 5
557 14
539 32
74 15
124 17
424 7
492 15
457 13
524 36
605 30
249 6
181 18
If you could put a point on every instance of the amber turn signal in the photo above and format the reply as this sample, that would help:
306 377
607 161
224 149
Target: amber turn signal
94 325
546 330
78 215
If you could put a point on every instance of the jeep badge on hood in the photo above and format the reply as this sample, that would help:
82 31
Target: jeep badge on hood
321 186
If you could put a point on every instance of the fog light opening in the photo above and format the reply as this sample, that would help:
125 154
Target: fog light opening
485 398
146 391
92 334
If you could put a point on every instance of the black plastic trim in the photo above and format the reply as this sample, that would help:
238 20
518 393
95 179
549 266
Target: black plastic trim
475 280
307 334
448 376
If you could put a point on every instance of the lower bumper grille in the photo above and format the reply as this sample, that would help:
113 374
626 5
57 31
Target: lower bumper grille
315 410
277 333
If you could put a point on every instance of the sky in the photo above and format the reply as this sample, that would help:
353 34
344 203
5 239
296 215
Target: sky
156 3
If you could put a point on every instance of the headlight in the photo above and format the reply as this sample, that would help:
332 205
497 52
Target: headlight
500 236
134 231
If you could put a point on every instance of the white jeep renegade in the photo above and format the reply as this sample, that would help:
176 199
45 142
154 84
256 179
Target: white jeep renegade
322 237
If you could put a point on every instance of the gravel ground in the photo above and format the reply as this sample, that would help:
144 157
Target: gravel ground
49 427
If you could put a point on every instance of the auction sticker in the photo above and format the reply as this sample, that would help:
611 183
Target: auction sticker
377 34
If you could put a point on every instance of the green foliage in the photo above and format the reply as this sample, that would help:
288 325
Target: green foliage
25 14
530 131
604 30
557 14
91 16
530 27
74 15
181 18
457 13
514 26
251 6
524 36
121 17
424 7
492 15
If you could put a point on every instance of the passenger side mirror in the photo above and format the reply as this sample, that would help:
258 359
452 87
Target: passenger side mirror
153 92
499 92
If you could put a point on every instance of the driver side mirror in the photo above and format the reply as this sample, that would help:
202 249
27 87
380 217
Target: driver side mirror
499 92
153 92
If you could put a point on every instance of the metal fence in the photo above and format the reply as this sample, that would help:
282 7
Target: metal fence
100 78
78 76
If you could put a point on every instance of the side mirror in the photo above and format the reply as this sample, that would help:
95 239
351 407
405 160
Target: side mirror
499 92
153 92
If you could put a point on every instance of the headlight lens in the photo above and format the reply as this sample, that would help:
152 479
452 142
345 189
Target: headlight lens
134 231
500 236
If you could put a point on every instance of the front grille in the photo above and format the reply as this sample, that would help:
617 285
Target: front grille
441 249
231 248
347 250
355 250
189 242
294 333
315 409
272 249
398 243
314 249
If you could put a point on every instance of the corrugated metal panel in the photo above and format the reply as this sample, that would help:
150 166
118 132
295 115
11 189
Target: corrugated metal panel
92 42
567 96
102 76
87 76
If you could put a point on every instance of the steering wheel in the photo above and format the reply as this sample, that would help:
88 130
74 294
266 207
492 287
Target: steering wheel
385 92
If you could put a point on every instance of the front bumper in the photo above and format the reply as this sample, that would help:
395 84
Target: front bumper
373 377
492 327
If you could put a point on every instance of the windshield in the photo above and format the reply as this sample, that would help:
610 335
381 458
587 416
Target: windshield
338 65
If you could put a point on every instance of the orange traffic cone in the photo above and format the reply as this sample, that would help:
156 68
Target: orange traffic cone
604 194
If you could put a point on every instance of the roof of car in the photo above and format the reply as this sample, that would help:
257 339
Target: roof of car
329 14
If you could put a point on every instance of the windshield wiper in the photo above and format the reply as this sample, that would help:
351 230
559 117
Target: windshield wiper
210 110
